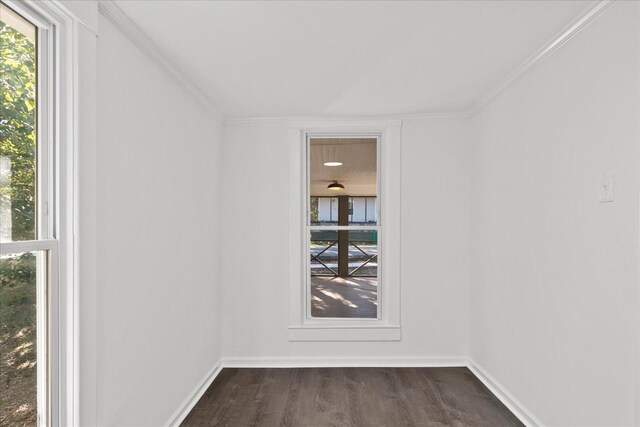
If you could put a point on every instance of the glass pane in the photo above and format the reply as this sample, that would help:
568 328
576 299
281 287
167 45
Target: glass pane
313 210
363 253
324 253
344 273
324 211
17 127
362 211
19 277
343 181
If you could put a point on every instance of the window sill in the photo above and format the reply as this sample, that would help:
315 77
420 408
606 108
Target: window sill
342 333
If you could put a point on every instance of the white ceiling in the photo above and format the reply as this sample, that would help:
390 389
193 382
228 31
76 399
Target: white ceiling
271 59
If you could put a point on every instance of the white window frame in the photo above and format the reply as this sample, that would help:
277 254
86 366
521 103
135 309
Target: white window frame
309 228
57 204
386 327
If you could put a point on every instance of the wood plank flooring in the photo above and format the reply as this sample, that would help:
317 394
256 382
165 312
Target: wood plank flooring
317 397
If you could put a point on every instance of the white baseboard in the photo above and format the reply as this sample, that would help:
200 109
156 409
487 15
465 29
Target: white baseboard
193 397
344 362
517 408
494 386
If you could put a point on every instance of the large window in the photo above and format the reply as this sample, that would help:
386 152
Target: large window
28 245
342 226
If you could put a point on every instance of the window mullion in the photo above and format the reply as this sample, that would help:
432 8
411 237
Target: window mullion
343 227
28 246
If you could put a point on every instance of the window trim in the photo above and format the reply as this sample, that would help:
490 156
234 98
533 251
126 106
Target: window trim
56 127
387 327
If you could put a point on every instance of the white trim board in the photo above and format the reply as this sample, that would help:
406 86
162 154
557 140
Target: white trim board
113 13
302 327
513 404
501 393
345 362
59 127
542 54
330 118
581 22
498 390
303 362
187 405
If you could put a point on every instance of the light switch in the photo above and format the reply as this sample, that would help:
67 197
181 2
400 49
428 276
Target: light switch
605 187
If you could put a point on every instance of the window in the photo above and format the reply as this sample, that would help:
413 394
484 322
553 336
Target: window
343 230
28 243
350 234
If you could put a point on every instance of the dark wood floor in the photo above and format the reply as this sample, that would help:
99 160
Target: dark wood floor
387 397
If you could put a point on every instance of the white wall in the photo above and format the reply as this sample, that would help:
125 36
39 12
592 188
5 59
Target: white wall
158 309
555 279
435 245
507 256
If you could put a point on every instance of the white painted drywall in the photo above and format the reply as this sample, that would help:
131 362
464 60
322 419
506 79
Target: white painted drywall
505 203
435 245
555 277
157 218
85 11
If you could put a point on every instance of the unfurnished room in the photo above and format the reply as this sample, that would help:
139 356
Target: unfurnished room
320 213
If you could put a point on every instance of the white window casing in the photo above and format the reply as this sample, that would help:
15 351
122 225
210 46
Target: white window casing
387 327
57 201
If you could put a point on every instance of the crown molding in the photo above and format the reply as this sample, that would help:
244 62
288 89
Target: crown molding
110 10
346 362
542 54
389 117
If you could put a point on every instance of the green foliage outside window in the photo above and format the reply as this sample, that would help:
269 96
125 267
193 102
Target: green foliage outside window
18 355
17 130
